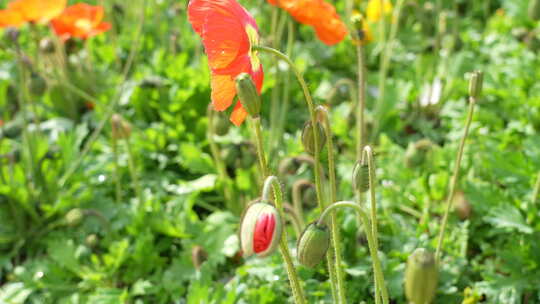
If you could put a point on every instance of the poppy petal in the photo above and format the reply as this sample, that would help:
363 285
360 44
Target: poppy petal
223 91
239 114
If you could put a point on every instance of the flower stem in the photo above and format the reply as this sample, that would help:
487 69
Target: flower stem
361 107
333 197
453 182
118 188
260 146
133 171
272 182
220 166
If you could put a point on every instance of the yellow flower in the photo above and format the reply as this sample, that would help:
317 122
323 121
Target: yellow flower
361 26
375 11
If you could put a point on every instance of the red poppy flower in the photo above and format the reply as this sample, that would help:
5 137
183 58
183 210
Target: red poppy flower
21 11
320 15
81 21
228 33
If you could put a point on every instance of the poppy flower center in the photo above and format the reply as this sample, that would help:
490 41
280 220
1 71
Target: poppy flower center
253 38
264 231
83 24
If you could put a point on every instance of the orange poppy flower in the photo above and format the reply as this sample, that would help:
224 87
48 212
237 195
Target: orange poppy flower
320 15
21 11
228 33
81 21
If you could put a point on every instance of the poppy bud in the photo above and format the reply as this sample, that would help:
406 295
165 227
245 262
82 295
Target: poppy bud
308 137
360 177
248 95
91 240
462 206
221 125
121 129
260 230
313 245
198 256
475 84
74 217
417 153
421 277
46 45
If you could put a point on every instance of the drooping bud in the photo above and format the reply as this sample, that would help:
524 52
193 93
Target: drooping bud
475 84
260 230
121 129
360 177
74 217
221 124
417 153
462 206
198 256
248 95
308 137
421 277
313 244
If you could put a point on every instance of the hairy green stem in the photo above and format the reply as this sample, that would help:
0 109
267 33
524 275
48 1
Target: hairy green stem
118 187
323 112
536 190
133 171
260 146
272 182
361 107
455 176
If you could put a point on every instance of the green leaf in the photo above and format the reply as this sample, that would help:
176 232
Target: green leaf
508 216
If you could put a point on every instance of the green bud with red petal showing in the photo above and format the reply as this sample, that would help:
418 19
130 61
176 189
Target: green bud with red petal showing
308 137
260 230
421 277
360 177
248 95
313 244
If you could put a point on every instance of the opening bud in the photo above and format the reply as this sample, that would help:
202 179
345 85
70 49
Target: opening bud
248 94
360 177
121 129
475 84
313 245
308 137
417 153
421 277
260 230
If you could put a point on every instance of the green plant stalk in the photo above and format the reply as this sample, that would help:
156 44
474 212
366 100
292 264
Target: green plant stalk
297 200
133 171
118 187
272 182
455 176
363 218
536 190
368 156
385 62
361 107
313 117
333 220
221 168
111 107
260 146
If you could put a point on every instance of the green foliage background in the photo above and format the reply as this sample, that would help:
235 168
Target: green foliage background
141 251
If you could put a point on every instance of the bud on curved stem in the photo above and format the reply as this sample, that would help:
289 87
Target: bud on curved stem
476 86
260 230
360 178
421 277
248 95
313 244
308 137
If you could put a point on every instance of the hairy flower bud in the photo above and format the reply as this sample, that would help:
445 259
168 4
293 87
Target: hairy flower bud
421 277
74 217
221 125
417 153
313 245
360 177
121 129
308 137
260 229
248 95
198 256
462 206
475 84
